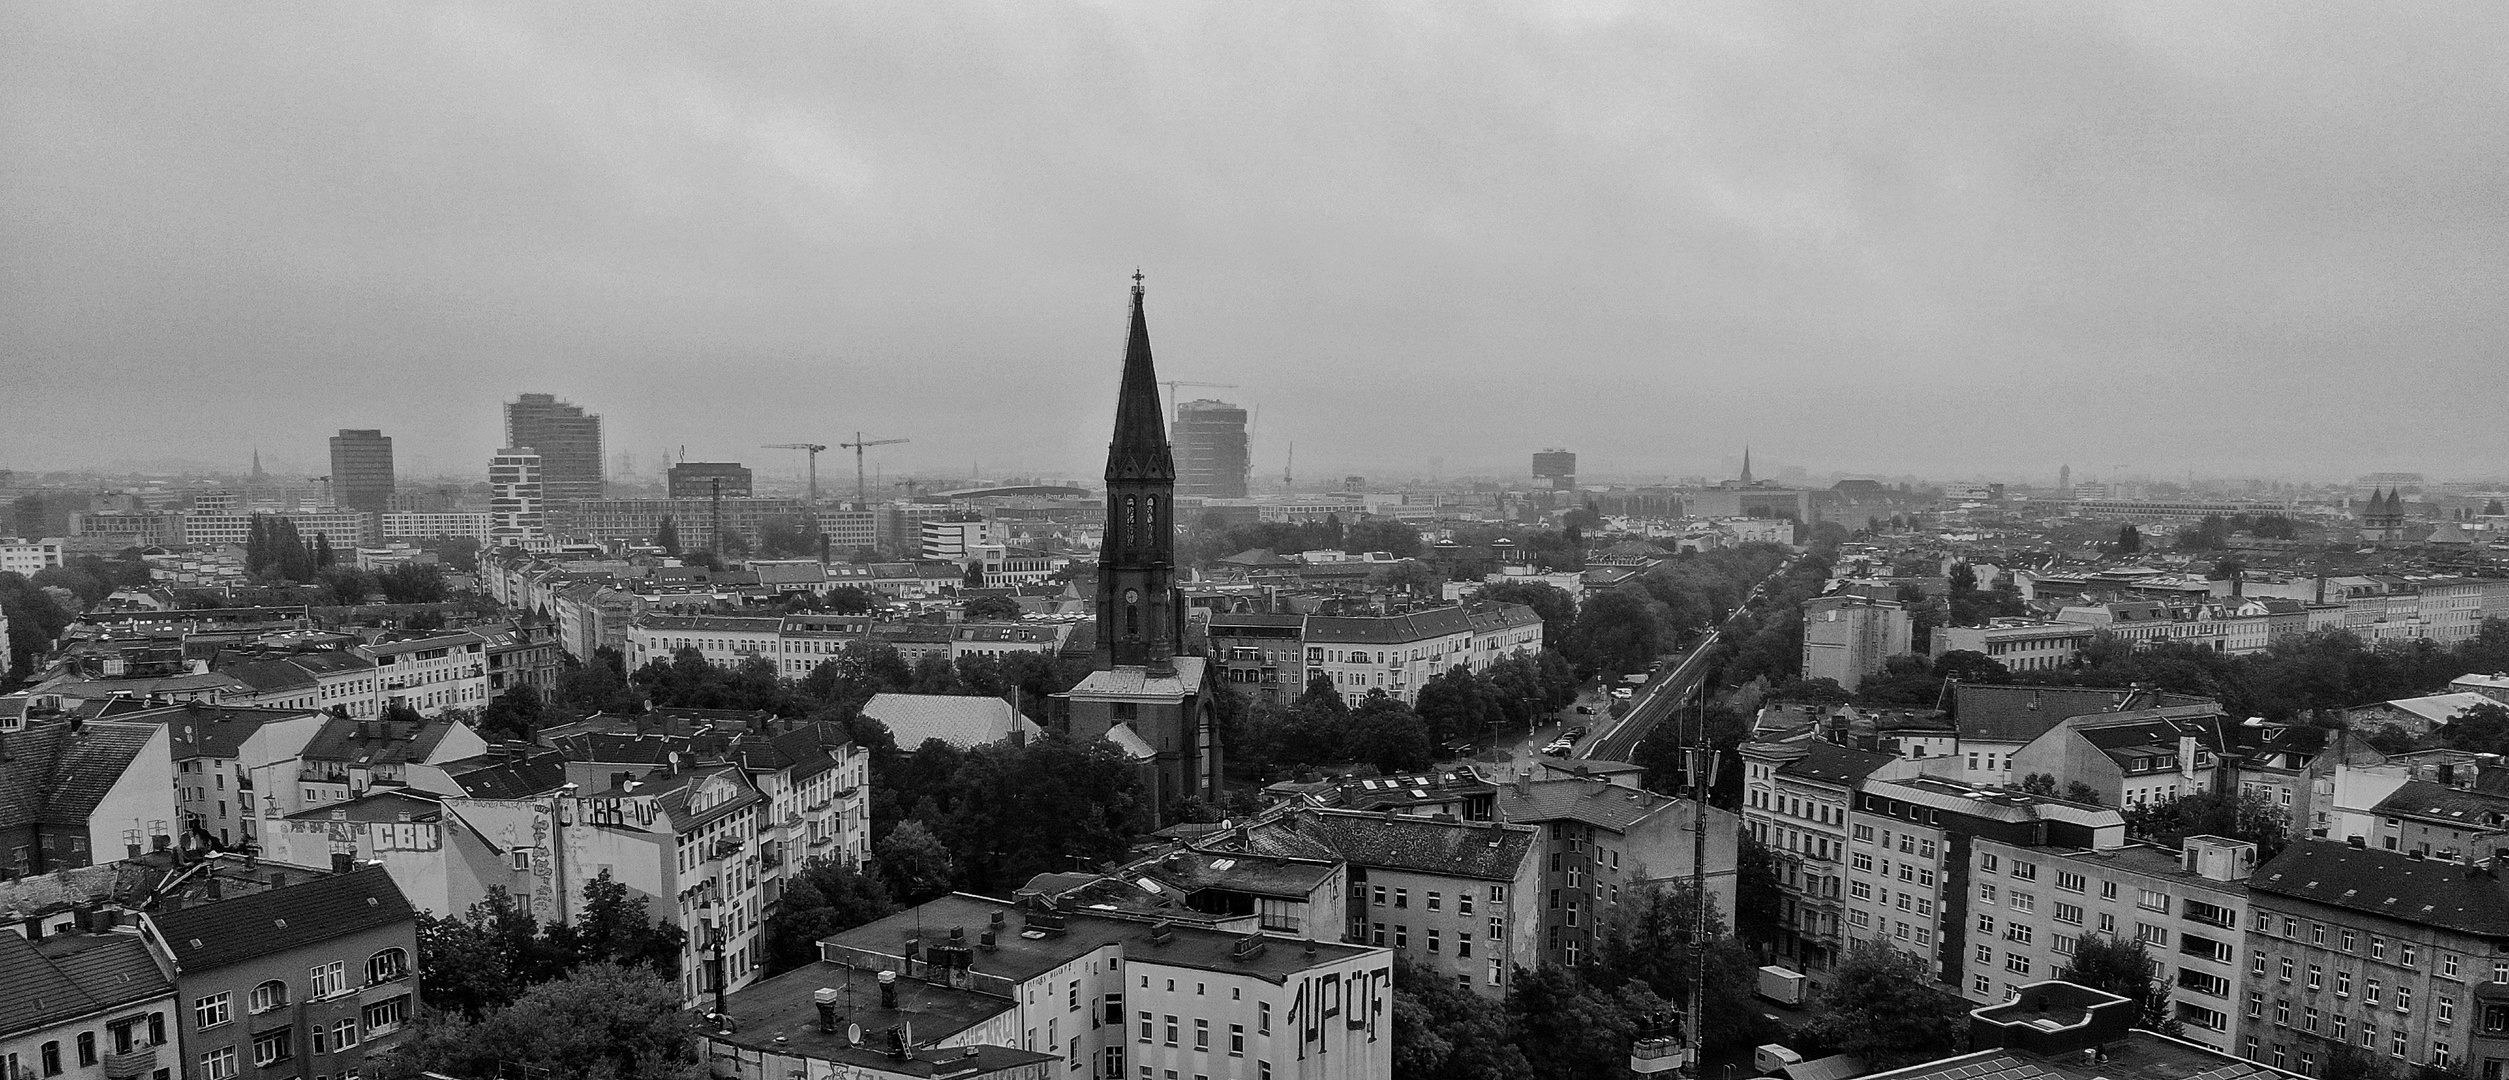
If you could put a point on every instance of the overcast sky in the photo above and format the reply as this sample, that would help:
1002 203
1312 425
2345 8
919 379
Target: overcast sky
1961 240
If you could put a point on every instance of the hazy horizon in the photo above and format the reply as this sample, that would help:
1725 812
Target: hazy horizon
1952 241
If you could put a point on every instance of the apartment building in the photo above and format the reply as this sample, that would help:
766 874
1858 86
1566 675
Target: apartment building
1996 722
1261 654
2136 758
1847 636
1797 794
435 524
2034 905
2018 644
1598 838
314 978
29 557
996 988
88 1006
1397 653
2402 957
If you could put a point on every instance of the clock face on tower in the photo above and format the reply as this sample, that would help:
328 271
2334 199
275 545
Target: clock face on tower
1132 596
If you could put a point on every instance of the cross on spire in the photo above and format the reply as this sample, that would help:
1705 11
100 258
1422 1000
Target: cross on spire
1136 281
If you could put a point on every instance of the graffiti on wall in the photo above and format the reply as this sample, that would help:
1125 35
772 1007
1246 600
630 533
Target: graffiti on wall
1357 999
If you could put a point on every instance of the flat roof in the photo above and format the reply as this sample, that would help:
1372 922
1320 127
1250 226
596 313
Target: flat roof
1020 957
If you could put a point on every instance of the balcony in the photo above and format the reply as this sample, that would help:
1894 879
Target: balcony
131 1064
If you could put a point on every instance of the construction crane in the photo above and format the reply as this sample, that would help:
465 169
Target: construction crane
813 449
1172 384
862 490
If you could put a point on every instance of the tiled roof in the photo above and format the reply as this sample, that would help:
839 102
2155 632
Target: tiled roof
1486 850
266 676
222 932
90 765
1388 629
63 977
714 623
2389 884
960 721
1590 802
2426 801
516 776
386 741
213 731
2018 714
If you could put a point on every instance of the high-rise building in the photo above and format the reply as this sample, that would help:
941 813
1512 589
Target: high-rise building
1847 636
1211 454
1557 466
568 441
695 479
515 497
1145 694
361 470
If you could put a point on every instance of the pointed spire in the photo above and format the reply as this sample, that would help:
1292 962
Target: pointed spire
1139 450
1746 463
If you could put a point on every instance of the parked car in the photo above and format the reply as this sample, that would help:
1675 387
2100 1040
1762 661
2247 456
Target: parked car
1585 710
1559 748
1575 733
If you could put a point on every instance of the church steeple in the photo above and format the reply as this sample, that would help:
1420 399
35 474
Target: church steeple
1746 463
1140 613
1139 450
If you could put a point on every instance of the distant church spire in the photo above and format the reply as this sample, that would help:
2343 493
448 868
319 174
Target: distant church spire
1746 463
1140 613
257 473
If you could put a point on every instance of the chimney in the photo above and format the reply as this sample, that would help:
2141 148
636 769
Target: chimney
342 862
825 998
888 990
217 888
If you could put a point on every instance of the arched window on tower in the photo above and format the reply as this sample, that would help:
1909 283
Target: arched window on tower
1132 620
1154 514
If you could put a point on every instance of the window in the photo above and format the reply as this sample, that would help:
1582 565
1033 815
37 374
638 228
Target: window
2070 881
2378 949
2404 953
1986 863
218 1064
1145 1027
1263 1018
1202 1034
52 1059
272 1047
210 1012
2444 1009
2317 980
1378 896
1433 900
2017 963
2343 984
2256 1005
1986 924
2068 913
2108 890
2017 932
327 979
2308 1020
2317 933
2022 871
2287 966
1237 1040
386 966
2369 992
385 1017
2282 1011
1402 898
1986 894
268 996
1171 1029
2404 999
2257 968
2150 900
2448 964
2348 940
86 1049
2022 901
1432 939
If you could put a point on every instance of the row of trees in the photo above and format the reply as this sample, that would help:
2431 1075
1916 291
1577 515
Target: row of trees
491 955
2308 677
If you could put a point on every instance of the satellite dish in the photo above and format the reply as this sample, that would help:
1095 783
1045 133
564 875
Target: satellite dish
853 1034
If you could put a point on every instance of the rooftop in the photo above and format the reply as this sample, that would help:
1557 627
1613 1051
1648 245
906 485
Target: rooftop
2141 1055
71 975
781 1015
222 932
2466 898
1026 951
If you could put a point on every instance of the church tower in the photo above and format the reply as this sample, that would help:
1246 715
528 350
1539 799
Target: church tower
1144 696
1140 613
1746 463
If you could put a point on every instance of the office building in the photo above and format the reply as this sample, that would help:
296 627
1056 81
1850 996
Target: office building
361 470
1557 469
516 486
698 479
568 441
1847 636
1212 456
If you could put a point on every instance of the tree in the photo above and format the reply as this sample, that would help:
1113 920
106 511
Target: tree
515 714
1455 702
614 930
1444 1030
992 608
1617 632
1009 813
2122 968
1572 1030
413 583
1387 734
1821 691
1881 1006
2494 509
322 551
2243 816
824 899
1414 578
847 600
35 622
668 536
1904 681
600 1022
2041 784
2480 728
2077 791
914 863
1758 898
598 685
1383 534
2129 540
1970 666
